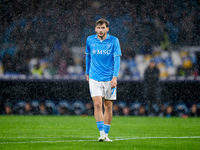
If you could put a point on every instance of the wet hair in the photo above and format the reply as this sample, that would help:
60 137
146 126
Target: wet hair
102 21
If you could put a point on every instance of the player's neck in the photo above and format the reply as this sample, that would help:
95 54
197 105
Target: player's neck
102 38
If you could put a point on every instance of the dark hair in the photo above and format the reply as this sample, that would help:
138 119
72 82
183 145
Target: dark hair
102 21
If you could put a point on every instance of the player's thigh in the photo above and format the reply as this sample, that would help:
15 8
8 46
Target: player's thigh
97 100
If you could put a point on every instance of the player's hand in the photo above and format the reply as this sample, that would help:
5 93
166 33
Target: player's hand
87 77
113 82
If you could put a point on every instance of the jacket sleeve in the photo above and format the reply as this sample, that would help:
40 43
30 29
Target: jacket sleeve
116 66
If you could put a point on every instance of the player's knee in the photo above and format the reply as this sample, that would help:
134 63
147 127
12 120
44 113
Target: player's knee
108 107
97 106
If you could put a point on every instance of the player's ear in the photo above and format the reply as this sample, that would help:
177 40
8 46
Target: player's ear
107 29
95 29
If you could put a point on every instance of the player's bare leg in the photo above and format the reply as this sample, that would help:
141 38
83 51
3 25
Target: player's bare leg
98 114
108 111
107 117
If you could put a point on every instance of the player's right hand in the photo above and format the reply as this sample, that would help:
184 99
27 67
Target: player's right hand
87 77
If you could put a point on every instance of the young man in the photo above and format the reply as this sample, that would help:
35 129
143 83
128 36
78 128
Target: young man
102 66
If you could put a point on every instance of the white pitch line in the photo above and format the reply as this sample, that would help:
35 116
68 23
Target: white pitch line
42 137
30 142
122 139
134 138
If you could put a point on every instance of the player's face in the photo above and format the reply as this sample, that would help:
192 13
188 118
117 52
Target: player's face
101 30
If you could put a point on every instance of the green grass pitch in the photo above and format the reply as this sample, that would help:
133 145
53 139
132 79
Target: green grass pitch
81 133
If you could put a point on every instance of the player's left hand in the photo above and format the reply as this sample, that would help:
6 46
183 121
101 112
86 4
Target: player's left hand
113 82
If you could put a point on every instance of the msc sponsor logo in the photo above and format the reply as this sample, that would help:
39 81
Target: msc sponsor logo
104 52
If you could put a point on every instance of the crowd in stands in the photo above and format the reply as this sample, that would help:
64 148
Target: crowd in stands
120 108
40 38
37 36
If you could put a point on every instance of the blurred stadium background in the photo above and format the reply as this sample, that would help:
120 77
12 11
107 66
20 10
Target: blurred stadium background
42 68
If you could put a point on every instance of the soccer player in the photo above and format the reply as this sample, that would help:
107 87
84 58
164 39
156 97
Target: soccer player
102 67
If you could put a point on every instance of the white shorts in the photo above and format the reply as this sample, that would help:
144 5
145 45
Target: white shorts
102 88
